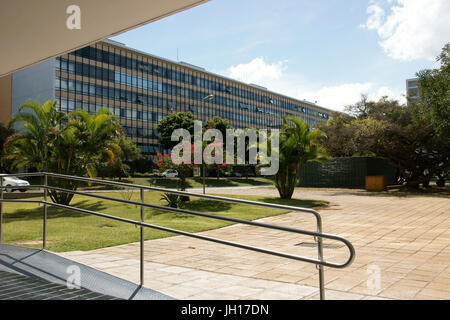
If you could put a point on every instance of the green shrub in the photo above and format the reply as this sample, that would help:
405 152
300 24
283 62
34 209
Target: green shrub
173 200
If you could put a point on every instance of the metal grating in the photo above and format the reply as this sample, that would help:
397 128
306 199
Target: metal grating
31 271
18 287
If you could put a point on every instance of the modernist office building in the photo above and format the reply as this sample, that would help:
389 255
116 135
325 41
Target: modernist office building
412 89
141 89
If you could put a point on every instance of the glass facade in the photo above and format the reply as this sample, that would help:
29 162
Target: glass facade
141 89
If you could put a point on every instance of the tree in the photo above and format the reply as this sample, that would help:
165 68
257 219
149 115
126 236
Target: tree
99 135
72 145
434 106
164 162
434 93
165 128
32 145
5 133
129 151
185 120
121 167
222 125
298 145
399 133
179 120
338 135
142 165
218 123
415 137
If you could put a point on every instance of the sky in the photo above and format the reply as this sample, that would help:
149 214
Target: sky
329 51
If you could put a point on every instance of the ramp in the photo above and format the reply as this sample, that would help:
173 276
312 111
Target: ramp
27 273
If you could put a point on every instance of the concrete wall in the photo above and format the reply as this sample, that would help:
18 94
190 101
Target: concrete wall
33 84
5 99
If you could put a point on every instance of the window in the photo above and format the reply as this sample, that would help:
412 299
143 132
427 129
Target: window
63 105
86 88
171 105
117 77
64 65
71 85
71 105
79 87
71 67
85 71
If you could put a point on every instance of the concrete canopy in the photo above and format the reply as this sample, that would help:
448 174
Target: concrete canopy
34 31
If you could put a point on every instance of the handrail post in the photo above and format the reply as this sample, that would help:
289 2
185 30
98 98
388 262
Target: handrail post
44 227
1 209
142 240
320 257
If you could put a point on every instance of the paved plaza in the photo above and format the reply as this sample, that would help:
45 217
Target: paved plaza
404 240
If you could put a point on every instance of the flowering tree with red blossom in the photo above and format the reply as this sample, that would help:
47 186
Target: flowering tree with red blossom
185 120
225 166
222 125
164 162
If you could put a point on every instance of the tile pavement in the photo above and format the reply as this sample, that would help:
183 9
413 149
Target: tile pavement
406 239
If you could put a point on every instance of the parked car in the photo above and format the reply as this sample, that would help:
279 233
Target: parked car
171 173
12 184
238 174
226 174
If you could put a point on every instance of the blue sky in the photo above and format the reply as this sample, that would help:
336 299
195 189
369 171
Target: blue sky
329 51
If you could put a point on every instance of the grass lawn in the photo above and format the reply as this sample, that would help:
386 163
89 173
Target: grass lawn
195 182
72 231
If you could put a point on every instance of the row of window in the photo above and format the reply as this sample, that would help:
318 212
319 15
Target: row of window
91 89
143 132
156 86
149 148
152 69
69 105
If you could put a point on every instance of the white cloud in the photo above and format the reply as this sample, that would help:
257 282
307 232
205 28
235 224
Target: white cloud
414 29
337 97
275 77
257 71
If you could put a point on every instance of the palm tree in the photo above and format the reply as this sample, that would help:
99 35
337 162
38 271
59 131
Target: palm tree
32 145
72 145
67 159
297 147
98 134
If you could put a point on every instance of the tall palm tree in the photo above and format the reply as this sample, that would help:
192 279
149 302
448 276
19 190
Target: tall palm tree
297 147
31 145
68 159
72 145
97 133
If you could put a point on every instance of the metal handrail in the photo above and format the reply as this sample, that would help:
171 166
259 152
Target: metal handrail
318 235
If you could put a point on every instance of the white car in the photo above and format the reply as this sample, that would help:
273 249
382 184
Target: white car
170 173
12 184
